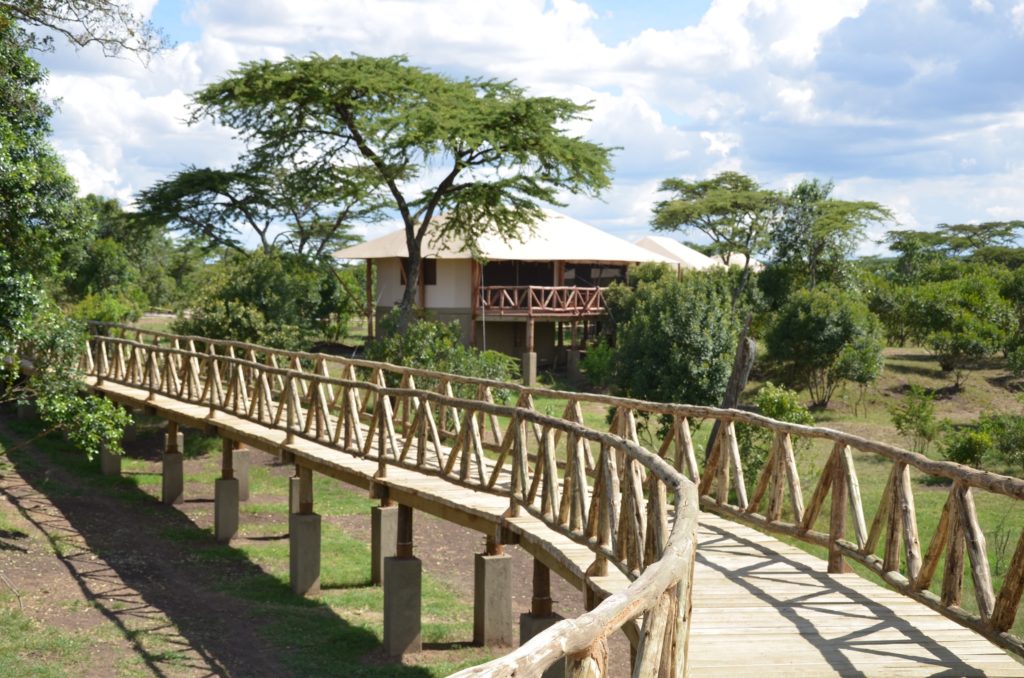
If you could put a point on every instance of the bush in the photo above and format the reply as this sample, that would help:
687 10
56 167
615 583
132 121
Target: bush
109 307
824 337
755 442
1007 434
961 321
599 364
970 447
914 418
278 299
437 346
675 338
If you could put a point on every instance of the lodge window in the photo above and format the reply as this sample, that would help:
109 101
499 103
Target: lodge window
428 271
593 275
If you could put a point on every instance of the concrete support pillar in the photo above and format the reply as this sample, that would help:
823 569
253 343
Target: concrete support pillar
110 463
304 540
492 596
540 616
225 496
403 586
173 487
383 538
529 368
572 362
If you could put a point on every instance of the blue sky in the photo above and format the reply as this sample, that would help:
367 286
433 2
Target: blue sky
917 104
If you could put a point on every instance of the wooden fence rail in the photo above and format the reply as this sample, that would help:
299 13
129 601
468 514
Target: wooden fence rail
585 472
542 301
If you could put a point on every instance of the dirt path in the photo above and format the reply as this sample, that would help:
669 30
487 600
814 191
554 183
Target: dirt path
89 556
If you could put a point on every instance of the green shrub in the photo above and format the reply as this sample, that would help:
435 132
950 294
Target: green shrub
110 307
970 447
599 364
432 345
1007 434
914 418
824 337
755 442
675 338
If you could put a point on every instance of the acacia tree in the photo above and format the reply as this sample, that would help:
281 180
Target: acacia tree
480 151
286 206
731 209
817 234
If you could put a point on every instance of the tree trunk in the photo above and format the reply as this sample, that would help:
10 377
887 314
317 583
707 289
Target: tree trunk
412 282
746 351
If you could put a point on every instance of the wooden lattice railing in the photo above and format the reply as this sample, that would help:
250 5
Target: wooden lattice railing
775 501
639 514
531 300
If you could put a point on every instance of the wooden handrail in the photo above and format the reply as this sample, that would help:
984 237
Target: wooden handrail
893 531
541 300
438 434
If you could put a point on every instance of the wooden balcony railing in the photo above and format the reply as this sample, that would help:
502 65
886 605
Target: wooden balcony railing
531 300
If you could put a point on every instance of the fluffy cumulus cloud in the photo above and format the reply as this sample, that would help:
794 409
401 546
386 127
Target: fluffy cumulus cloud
914 104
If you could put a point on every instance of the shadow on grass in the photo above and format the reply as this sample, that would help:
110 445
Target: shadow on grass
184 602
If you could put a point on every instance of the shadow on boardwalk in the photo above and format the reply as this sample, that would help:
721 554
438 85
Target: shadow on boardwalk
186 606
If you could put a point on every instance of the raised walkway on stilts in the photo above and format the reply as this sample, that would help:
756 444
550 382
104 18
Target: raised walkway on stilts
698 592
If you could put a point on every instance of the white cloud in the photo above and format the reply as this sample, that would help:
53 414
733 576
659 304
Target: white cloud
911 104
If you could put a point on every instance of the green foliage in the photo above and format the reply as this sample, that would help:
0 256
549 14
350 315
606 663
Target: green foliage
437 346
109 307
968 446
914 418
755 442
824 337
276 298
386 126
40 218
961 321
730 208
674 338
39 215
1007 434
814 240
599 363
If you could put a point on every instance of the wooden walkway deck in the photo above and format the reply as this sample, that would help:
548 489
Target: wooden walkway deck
760 607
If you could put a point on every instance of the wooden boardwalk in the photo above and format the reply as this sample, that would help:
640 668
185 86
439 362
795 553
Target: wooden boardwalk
760 607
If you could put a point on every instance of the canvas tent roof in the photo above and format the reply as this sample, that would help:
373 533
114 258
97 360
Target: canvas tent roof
687 257
556 237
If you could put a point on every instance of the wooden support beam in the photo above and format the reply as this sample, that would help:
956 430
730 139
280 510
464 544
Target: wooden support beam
305 475
227 455
404 549
540 605
369 299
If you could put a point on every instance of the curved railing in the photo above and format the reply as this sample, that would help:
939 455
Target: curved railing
775 501
639 514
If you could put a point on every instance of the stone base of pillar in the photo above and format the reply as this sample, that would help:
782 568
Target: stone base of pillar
529 369
172 489
304 553
110 463
572 363
403 584
529 626
225 509
240 468
492 600
383 539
